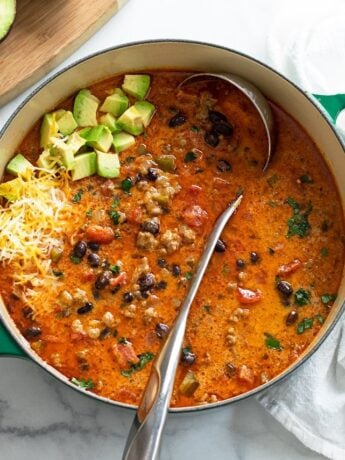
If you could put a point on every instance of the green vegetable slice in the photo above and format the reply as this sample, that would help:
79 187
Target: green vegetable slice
302 297
83 383
144 358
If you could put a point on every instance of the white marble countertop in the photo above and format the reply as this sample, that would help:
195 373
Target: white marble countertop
41 418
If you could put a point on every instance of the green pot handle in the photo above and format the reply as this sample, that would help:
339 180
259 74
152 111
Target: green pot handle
8 346
333 104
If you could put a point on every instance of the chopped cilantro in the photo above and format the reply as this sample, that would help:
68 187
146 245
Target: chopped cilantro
306 323
188 275
207 308
272 342
115 203
298 224
324 252
89 212
115 217
74 259
302 297
77 196
328 298
126 184
144 358
82 383
115 269
272 203
57 273
320 319
190 156
195 129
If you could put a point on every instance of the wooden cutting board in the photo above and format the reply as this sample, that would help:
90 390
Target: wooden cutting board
44 33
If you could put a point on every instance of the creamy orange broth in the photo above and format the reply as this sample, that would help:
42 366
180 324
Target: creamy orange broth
233 345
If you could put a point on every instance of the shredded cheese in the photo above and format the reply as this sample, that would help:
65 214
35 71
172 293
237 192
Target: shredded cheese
34 221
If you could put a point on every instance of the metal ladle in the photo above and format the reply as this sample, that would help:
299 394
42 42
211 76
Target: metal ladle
144 439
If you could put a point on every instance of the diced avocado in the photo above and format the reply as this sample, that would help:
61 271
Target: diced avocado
85 165
146 110
136 85
109 121
115 104
118 91
75 142
18 165
108 165
98 137
49 130
7 16
66 122
85 108
122 141
131 121
10 190
166 162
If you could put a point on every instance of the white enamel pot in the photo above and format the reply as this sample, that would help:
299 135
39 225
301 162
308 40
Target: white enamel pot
192 56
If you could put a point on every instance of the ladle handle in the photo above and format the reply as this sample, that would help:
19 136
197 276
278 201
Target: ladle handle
145 436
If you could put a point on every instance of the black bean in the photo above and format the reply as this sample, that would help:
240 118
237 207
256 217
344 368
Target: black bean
223 128
93 259
146 282
254 257
177 120
161 330
161 285
32 332
79 249
128 297
188 357
224 166
151 226
103 279
86 308
162 263
93 246
216 117
240 264
291 317
176 270
220 246
27 312
152 175
211 138
105 264
105 333
285 288
230 370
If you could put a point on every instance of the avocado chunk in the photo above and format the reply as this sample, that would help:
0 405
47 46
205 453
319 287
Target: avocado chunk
75 142
66 122
122 141
108 165
109 121
98 137
131 121
18 165
136 85
146 110
115 104
7 16
49 130
85 108
85 165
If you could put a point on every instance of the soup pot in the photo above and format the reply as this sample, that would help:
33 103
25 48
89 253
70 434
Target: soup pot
307 109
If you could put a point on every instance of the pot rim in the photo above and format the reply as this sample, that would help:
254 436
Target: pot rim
280 377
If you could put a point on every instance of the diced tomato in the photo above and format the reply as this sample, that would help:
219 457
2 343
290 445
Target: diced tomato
246 374
247 296
120 280
99 234
107 188
195 216
125 354
88 275
135 215
289 268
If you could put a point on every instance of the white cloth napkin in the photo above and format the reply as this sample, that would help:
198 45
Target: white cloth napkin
307 48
